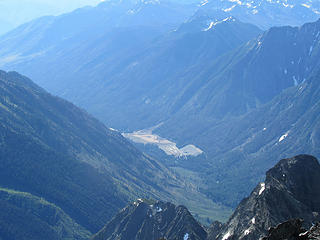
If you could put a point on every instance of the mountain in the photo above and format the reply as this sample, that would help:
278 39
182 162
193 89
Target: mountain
52 149
24 216
238 118
56 151
287 125
219 99
124 68
153 84
290 190
152 221
46 34
264 13
16 12
274 209
253 74
293 230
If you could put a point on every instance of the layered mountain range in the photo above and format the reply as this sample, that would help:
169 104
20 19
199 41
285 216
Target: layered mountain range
67 172
241 128
193 77
132 69
290 191
264 13
54 150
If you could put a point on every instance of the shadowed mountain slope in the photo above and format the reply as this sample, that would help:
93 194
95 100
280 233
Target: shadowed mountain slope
243 147
52 149
144 221
24 216
291 190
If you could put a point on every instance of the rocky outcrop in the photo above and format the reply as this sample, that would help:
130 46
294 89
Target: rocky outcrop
293 230
145 220
291 190
214 230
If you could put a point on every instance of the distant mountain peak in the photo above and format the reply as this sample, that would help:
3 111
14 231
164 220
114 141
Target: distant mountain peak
266 13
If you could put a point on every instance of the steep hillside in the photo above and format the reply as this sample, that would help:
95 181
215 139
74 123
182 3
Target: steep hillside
289 193
293 230
241 148
152 221
52 149
156 83
291 190
129 74
24 216
251 75
196 80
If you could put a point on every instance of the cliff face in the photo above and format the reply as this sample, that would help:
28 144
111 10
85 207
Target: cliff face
293 230
152 221
291 190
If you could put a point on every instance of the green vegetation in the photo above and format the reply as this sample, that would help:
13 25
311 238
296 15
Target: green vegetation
52 149
25 216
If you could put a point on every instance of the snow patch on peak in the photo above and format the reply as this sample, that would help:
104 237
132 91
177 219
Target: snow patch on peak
262 188
295 82
305 5
139 200
283 137
226 236
229 9
213 23
204 3
236 1
310 50
246 232
186 236
210 26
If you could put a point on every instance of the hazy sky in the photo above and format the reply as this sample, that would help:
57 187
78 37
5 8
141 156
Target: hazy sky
16 12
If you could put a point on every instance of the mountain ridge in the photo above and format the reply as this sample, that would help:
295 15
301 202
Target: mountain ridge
290 191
